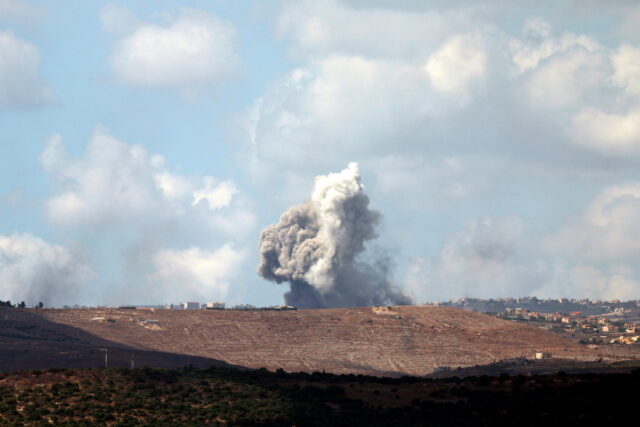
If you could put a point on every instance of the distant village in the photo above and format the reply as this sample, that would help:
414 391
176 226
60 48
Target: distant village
593 322
542 305
194 305
188 305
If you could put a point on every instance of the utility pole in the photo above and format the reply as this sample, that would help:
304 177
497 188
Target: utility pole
106 357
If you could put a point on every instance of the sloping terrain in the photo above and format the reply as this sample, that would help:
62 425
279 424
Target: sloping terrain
30 341
379 341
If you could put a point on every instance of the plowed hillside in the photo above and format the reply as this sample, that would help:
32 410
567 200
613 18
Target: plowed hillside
380 341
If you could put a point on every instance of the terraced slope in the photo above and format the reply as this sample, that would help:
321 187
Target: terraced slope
380 341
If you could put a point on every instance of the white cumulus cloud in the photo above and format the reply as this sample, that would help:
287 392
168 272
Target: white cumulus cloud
606 230
626 63
21 83
566 78
217 194
350 103
541 43
333 27
619 282
195 273
611 134
457 64
176 235
193 49
114 182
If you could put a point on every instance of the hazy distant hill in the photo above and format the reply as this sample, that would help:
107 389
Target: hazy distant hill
380 341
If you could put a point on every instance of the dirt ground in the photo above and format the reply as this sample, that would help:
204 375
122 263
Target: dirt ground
408 340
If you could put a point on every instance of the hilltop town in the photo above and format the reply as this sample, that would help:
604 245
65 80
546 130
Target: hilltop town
590 322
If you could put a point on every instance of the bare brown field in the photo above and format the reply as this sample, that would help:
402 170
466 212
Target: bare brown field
411 340
29 340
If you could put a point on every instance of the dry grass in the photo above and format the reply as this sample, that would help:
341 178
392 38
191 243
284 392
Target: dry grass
396 341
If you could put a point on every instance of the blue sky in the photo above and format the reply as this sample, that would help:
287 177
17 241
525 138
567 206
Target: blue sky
500 143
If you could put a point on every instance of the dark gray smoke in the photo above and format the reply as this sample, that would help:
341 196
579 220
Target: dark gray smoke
315 248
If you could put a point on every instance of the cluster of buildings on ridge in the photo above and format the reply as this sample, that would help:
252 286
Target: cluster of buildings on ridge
592 321
617 327
542 305
194 305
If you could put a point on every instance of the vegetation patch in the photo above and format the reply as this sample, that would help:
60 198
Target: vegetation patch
222 396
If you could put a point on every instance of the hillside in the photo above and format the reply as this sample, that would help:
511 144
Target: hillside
29 340
378 341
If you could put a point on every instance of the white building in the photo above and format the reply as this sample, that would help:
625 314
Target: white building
190 305
214 305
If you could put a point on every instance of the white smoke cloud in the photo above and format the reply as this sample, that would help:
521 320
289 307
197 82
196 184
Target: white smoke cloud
315 247
21 82
33 270
194 49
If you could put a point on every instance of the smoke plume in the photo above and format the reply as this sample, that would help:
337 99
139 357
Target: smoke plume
315 248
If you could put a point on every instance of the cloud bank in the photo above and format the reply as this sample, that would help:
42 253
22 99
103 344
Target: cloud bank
592 254
177 236
470 129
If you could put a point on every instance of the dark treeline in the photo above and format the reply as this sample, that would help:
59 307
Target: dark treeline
222 396
21 304
7 303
